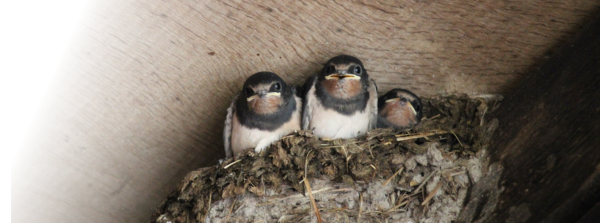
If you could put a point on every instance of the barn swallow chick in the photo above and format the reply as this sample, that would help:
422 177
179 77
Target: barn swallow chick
341 100
265 110
400 109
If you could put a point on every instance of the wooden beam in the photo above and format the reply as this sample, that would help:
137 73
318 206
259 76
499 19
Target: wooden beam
549 138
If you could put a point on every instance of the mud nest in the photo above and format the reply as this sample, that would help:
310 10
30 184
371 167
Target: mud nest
419 175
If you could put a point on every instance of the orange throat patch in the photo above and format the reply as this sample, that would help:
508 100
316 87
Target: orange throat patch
342 88
265 105
401 116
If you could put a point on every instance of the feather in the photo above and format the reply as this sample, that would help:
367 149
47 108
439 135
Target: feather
229 127
307 101
372 104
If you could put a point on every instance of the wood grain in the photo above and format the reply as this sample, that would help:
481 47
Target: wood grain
141 96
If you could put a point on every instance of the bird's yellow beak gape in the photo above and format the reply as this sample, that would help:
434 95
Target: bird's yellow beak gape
408 103
277 94
345 76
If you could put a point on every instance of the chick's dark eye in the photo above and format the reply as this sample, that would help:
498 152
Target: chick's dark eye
403 100
330 69
276 87
357 70
249 91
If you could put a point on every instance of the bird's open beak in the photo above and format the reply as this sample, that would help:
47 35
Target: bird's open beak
260 95
407 103
392 100
273 94
339 76
411 108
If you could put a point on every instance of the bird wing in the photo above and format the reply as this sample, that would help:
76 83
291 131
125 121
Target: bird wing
297 90
372 104
307 101
229 127
383 123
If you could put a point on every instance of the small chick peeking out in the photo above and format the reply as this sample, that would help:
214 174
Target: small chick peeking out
400 109
265 110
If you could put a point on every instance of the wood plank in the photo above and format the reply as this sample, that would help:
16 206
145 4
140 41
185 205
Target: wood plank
548 137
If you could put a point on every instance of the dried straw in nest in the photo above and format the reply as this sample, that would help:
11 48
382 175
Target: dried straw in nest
417 175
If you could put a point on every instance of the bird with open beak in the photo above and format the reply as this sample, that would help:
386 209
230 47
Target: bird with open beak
265 110
340 101
400 109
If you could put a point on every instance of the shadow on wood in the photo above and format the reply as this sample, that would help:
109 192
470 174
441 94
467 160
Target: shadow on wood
548 140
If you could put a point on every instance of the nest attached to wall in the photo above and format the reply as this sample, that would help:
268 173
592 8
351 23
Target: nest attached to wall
419 175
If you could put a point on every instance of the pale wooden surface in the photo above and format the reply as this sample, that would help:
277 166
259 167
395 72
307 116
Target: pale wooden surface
140 100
